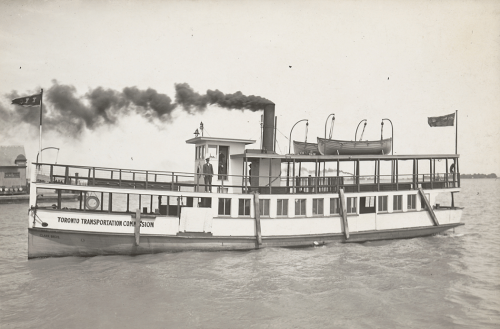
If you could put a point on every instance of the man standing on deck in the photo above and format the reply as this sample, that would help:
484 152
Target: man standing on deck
208 171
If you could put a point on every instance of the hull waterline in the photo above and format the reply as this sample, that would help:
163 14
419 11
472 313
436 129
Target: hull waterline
57 243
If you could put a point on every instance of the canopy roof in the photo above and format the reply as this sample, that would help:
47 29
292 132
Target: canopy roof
329 158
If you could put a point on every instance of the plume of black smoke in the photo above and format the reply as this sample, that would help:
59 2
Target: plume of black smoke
189 99
67 113
160 104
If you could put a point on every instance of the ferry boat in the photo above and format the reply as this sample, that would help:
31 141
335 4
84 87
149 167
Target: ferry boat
258 199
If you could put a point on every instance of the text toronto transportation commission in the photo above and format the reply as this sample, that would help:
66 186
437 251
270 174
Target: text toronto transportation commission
259 199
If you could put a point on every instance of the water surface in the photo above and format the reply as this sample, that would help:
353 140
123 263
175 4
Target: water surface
450 281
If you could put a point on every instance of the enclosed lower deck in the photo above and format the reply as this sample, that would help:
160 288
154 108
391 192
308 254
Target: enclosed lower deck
218 221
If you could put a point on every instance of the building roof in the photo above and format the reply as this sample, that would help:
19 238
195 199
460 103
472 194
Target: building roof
9 154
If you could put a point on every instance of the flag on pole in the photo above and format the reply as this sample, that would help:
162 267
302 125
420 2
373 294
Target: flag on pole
442 121
28 100
33 100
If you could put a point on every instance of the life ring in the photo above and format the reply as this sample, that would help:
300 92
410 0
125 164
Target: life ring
452 168
92 202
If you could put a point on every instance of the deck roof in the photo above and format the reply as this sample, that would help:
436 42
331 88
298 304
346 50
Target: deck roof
327 158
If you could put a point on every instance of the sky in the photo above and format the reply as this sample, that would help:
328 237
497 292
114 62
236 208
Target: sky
112 72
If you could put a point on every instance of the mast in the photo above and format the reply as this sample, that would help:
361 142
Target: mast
40 138
456 131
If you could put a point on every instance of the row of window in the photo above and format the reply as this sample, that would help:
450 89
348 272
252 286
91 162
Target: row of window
117 202
397 202
318 205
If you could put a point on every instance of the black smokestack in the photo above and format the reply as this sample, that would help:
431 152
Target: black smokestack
191 100
268 135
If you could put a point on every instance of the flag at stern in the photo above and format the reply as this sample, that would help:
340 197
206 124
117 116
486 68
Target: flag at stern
28 100
442 121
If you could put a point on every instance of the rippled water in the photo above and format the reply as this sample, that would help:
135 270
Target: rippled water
450 281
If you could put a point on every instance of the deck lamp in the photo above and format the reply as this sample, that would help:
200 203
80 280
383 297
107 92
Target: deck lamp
356 134
290 139
326 122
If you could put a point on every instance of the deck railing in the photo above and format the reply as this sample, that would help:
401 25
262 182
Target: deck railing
182 181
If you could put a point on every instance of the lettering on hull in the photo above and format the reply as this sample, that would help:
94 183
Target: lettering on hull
49 236
103 222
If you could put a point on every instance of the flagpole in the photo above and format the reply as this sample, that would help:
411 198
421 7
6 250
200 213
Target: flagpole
40 139
456 131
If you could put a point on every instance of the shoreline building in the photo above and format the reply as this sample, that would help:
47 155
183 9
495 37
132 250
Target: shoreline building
13 170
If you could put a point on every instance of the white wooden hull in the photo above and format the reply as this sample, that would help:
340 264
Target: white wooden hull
65 237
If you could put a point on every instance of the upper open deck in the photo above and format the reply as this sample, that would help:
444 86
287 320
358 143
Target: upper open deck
284 174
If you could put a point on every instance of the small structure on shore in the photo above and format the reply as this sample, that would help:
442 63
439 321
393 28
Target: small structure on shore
12 170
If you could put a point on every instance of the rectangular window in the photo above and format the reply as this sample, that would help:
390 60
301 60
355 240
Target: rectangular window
12 175
412 201
212 151
351 205
334 206
382 203
397 203
225 206
264 207
370 202
244 207
199 152
282 207
367 205
300 207
317 206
